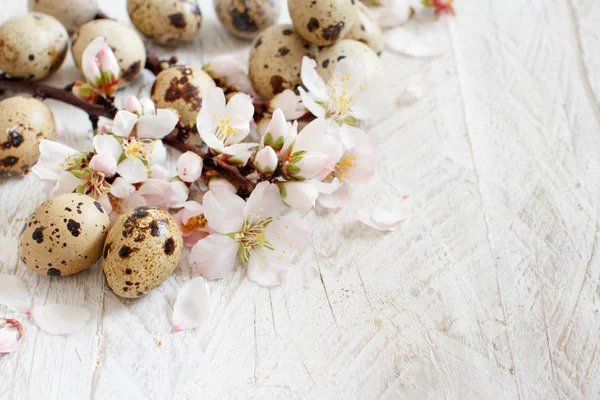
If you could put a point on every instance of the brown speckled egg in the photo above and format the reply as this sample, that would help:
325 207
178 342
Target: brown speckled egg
142 249
247 18
64 235
166 22
329 57
323 22
276 60
125 42
24 122
182 87
367 30
71 13
32 46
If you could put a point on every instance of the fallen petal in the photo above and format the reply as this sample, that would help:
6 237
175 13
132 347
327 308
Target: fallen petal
192 306
14 293
418 39
381 218
58 319
11 333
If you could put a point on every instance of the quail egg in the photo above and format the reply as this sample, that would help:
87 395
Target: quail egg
142 249
329 57
125 42
64 235
247 18
24 122
166 22
367 30
71 13
323 22
182 87
276 60
32 46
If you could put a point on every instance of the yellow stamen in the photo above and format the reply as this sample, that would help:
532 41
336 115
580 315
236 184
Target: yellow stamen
342 168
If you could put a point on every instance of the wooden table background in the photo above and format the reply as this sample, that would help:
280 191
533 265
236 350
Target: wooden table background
490 290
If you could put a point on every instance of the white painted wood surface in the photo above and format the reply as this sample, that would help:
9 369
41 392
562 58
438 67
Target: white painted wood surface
489 291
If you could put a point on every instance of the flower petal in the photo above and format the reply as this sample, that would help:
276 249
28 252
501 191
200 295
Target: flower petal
123 123
264 202
417 39
157 126
299 195
224 210
11 333
134 171
104 162
214 256
240 105
339 198
107 144
213 104
268 273
14 293
289 103
189 166
66 183
133 105
58 319
192 306
121 189
381 218
311 80
311 105
159 153
148 106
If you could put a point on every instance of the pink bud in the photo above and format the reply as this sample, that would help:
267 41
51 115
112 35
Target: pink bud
266 160
11 332
100 66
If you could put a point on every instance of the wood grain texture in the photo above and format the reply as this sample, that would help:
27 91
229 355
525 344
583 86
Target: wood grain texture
489 290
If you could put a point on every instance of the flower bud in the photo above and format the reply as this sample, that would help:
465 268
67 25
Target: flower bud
84 91
276 131
133 105
189 167
299 195
11 332
100 66
266 160
307 165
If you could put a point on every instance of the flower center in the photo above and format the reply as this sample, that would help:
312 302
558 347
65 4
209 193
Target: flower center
225 131
94 184
252 237
341 98
194 223
343 167
135 148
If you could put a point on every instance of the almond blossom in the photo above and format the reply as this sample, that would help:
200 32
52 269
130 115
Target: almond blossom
11 333
223 126
192 222
256 230
344 97
100 67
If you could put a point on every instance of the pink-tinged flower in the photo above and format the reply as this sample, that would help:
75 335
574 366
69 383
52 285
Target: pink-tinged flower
85 92
289 103
223 127
11 332
189 167
266 161
192 306
100 67
231 70
192 223
344 97
359 160
442 7
255 230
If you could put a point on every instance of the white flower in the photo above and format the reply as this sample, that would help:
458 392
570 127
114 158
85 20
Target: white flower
357 164
344 97
189 167
288 102
255 230
11 332
192 223
222 127
266 160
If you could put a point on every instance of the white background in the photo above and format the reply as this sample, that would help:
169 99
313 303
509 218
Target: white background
488 291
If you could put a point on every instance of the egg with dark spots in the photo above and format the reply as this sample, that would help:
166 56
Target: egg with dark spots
323 22
276 60
329 57
166 22
71 13
32 46
182 87
367 30
24 122
59 241
142 249
125 42
245 19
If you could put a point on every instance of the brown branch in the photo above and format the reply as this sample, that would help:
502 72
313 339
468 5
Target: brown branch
156 65
229 172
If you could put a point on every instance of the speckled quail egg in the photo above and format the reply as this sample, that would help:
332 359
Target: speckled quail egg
323 22
166 22
71 13
64 235
329 57
182 87
367 30
247 18
276 60
125 42
24 122
142 249
32 46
